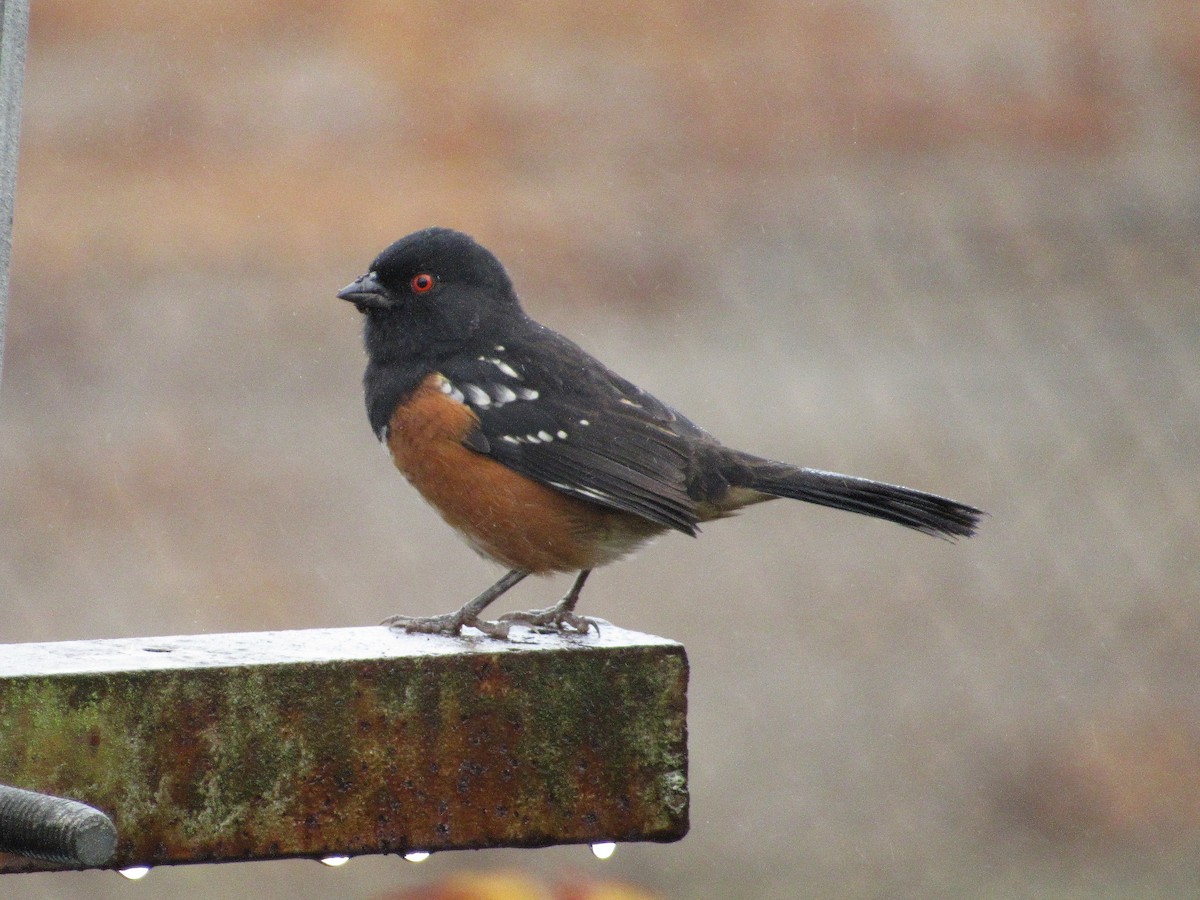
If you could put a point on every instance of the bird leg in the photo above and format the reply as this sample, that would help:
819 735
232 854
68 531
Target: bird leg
452 623
561 615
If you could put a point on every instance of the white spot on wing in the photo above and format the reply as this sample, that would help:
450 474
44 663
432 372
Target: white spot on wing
505 368
447 387
590 493
527 393
511 439
545 436
478 395
562 435
533 439
502 393
584 422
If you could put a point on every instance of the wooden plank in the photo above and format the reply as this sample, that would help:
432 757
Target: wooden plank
348 741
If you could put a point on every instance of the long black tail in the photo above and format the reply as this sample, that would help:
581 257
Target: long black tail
927 513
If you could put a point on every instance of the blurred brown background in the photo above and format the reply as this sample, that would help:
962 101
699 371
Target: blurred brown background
950 244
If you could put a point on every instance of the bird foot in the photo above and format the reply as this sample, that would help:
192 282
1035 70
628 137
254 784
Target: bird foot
551 619
450 624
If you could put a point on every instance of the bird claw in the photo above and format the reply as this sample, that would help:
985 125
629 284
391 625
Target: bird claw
450 624
551 619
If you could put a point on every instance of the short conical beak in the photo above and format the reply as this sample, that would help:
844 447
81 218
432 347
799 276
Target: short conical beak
364 292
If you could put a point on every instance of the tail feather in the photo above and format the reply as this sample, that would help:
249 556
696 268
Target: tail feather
927 513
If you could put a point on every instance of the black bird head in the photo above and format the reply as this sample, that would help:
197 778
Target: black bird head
434 290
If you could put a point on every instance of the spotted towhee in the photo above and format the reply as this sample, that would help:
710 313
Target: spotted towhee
544 459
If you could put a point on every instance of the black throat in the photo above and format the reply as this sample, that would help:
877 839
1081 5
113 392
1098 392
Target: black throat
386 385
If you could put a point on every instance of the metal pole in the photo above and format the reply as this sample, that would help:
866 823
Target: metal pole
14 34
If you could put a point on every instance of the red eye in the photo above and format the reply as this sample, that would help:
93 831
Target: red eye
422 284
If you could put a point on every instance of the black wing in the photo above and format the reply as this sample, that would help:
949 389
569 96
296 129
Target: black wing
555 414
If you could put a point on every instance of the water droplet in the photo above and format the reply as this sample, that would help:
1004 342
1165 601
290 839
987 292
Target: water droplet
134 873
417 855
335 861
604 849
